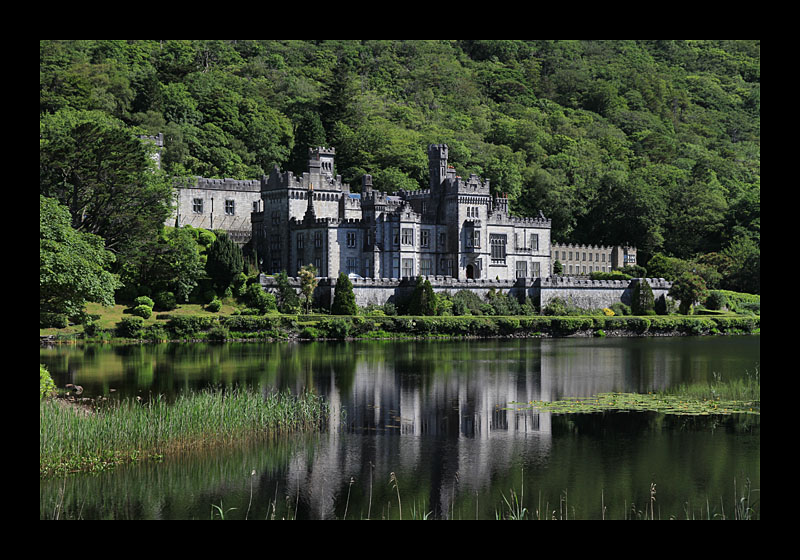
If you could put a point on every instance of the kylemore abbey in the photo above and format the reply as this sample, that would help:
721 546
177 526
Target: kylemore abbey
455 232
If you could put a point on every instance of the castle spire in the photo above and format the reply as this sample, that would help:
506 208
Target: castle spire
310 216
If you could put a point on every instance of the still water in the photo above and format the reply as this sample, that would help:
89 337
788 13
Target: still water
418 429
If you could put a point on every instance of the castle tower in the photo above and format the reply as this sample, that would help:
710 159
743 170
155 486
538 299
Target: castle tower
437 165
320 161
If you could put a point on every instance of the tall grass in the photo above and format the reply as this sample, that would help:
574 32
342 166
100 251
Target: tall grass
132 430
747 389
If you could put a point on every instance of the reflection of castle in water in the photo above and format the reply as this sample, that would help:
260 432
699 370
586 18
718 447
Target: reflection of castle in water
452 413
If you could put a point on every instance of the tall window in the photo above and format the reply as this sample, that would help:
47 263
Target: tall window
408 236
230 207
534 242
197 205
425 267
351 239
424 239
498 244
408 267
522 269
447 267
300 240
317 239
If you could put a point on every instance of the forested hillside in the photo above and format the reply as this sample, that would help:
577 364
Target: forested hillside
656 143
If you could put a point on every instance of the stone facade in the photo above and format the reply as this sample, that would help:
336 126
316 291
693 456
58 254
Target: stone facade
455 228
223 204
455 233
582 260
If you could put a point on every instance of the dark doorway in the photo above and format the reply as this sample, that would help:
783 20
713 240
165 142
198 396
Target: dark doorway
470 271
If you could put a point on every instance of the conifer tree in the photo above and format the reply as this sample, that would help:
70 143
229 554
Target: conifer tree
344 300
224 261
642 299
423 300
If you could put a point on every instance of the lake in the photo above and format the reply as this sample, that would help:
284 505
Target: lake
422 429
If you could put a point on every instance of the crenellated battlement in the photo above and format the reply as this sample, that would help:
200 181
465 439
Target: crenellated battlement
250 185
568 246
584 282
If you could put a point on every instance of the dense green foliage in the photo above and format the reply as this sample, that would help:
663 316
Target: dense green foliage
73 266
47 386
656 143
322 326
96 166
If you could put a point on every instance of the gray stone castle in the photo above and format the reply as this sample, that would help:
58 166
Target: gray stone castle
455 228
455 233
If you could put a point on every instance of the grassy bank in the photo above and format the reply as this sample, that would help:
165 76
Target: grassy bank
72 439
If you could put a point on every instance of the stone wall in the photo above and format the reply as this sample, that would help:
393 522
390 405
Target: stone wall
593 294
588 294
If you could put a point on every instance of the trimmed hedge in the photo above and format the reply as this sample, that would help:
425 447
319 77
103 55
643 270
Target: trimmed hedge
341 327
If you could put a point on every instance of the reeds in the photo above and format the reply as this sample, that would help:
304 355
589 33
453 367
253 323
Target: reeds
744 389
131 430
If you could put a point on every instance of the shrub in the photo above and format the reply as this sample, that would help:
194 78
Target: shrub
716 300
165 301
503 304
246 323
130 327
47 387
638 324
143 300
155 333
620 309
310 333
389 309
218 334
555 306
214 305
142 311
336 328
239 284
466 302
189 325
256 297
53 320
205 237
508 325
